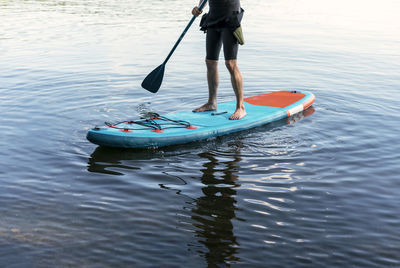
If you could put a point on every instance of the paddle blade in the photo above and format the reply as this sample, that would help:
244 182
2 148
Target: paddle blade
154 79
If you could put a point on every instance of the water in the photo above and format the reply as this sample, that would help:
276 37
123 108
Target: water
318 190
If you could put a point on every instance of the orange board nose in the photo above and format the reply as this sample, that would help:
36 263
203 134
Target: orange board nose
280 99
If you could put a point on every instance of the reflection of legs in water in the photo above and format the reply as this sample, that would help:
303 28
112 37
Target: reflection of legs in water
215 211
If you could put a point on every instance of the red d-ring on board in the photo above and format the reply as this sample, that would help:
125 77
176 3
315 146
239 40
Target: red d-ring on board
191 127
126 130
157 130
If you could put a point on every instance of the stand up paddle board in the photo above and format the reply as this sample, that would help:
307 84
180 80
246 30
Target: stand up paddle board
183 127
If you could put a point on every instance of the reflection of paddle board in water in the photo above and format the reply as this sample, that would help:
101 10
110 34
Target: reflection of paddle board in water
183 127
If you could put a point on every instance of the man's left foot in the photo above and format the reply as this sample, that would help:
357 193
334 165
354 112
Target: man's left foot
238 114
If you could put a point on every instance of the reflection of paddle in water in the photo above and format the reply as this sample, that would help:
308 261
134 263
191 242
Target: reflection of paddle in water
215 210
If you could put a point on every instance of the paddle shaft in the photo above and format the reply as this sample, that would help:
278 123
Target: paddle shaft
183 33
153 80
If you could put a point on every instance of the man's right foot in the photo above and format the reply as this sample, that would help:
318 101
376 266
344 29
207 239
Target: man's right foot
206 107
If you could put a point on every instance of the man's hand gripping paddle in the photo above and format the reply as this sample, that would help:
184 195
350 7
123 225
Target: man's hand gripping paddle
154 79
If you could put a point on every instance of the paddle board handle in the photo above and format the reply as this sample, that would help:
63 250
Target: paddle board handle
184 32
225 112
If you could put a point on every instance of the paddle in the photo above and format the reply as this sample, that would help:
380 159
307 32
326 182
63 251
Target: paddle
154 79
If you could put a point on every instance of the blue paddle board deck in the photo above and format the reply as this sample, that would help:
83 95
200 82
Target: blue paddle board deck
187 126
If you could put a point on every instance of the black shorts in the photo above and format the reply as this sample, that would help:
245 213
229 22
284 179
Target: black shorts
216 37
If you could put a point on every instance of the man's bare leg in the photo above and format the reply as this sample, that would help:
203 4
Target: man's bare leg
213 80
237 85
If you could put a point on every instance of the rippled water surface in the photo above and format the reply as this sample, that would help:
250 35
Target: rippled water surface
317 190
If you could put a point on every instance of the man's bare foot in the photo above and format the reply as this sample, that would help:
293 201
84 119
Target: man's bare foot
206 107
238 114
